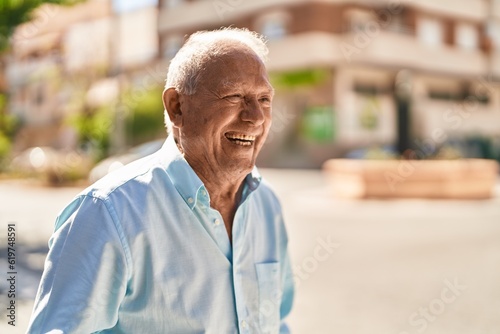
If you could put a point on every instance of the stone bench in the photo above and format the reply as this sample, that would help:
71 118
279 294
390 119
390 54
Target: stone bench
455 179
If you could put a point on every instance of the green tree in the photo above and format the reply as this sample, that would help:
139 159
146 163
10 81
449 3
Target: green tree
145 120
94 126
16 12
8 126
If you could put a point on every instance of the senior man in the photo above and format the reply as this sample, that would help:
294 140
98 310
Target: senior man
189 239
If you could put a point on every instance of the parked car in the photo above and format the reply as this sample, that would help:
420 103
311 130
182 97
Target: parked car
51 165
117 161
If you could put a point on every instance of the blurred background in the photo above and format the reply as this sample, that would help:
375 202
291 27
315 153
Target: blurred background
357 81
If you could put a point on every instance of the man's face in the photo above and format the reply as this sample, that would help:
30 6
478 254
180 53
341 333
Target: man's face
226 122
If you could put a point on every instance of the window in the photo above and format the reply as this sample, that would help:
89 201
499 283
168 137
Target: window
466 36
359 19
494 33
464 91
274 29
397 24
370 89
274 25
172 44
430 31
171 3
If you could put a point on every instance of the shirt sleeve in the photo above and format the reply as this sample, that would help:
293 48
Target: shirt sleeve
85 274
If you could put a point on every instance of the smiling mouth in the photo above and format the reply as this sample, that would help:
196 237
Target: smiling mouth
240 139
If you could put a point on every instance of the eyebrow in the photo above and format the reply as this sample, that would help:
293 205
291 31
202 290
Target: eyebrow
229 85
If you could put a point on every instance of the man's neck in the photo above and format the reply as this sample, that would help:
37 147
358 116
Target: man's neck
225 190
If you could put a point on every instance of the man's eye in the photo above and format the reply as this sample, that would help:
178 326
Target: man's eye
265 100
233 98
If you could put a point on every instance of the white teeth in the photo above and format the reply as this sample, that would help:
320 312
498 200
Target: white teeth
247 138
241 139
243 143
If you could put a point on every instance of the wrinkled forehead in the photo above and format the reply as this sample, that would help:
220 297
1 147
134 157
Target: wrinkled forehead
237 66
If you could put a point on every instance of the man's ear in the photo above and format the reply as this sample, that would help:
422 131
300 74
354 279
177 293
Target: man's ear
172 104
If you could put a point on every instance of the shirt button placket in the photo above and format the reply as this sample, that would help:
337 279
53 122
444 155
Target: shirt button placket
237 278
238 291
244 326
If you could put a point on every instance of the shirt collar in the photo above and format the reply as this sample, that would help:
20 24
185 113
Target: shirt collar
185 180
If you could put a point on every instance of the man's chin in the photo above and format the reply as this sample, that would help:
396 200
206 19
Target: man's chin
240 161
240 165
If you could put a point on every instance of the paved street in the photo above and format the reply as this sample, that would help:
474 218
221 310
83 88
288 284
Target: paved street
374 267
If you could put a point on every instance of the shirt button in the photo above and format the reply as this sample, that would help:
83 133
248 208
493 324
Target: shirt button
244 324
217 222
190 200
204 193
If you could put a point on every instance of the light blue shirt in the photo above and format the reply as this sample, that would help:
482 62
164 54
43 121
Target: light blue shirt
142 251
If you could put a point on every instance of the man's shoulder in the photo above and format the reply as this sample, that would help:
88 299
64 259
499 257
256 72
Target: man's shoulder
121 191
133 177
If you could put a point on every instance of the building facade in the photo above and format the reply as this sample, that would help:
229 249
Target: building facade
40 67
340 66
71 58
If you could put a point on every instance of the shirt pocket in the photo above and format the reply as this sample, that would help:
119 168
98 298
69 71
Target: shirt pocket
268 277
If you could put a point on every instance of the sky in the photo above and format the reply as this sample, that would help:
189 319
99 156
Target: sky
128 5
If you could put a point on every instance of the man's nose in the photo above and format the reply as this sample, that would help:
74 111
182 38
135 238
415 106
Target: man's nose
253 112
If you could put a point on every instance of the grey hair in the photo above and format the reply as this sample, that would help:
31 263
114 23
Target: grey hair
185 68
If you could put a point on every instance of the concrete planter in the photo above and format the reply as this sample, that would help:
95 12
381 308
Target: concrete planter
457 179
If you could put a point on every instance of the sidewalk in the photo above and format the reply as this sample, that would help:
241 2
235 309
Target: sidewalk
374 267
395 262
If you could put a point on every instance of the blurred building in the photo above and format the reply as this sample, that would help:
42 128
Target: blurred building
43 56
341 67
69 58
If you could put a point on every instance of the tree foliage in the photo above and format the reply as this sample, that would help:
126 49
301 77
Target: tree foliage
8 127
94 127
145 120
16 12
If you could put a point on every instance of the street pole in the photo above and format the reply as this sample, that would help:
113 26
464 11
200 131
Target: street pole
402 96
